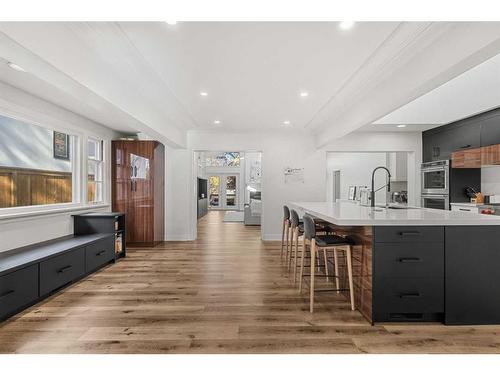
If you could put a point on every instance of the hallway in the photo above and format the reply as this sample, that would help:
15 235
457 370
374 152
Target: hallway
227 292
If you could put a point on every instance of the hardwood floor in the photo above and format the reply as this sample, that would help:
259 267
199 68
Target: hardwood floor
227 292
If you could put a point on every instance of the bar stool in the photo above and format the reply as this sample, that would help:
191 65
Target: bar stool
285 229
325 243
296 229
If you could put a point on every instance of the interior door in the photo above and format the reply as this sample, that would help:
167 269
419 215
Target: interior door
223 191
230 192
214 191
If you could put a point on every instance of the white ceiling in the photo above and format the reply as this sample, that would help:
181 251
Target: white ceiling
253 72
475 91
137 76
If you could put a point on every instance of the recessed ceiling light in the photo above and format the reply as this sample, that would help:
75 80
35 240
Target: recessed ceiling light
402 126
15 67
203 93
304 94
346 25
172 23
217 122
286 122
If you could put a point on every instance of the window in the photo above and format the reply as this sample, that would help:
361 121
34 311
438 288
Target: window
95 171
36 165
224 159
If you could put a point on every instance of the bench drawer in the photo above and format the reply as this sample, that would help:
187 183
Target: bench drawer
420 259
408 234
61 270
99 253
18 289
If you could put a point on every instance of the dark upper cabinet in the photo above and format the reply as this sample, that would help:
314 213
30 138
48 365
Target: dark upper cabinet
490 130
473 132
437 145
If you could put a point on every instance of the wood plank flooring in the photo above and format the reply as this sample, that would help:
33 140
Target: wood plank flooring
227 292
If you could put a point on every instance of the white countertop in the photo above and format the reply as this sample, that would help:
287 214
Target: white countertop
351 213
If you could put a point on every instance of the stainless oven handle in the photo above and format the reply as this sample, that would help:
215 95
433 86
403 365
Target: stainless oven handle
424 170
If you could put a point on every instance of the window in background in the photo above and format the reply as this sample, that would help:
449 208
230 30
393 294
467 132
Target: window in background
95 166
36 165
224 159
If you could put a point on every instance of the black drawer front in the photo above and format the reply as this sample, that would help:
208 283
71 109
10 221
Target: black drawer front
418 259
416 295
18 289
408 234
61 270
99 253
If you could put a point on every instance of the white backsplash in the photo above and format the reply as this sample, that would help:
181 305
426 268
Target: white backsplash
490 180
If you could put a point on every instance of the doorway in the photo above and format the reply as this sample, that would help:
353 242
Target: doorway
223 191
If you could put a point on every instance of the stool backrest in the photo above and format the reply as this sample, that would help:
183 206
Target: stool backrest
294 218
286 213
309 227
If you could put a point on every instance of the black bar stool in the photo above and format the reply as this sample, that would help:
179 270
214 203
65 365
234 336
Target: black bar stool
285 229
324 242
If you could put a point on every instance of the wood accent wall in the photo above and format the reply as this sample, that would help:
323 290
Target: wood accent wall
362 267
29 187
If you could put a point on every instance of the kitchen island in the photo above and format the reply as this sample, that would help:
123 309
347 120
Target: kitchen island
415 264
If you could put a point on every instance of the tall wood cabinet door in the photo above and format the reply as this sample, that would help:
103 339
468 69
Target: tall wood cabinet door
142 197
120 174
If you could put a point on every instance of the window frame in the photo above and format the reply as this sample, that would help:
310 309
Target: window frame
97 163
79 172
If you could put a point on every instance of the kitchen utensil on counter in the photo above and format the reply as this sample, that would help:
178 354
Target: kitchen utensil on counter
470 192
479 198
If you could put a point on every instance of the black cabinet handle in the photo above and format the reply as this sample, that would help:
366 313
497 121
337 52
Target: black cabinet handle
414 233
466 146
100 253
409 295
409 260
464 209
7 293
64 269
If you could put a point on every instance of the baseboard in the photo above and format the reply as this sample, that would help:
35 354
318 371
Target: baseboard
271 237
178 238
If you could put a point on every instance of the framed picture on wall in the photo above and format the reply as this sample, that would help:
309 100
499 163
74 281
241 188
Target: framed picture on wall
61 146
352 193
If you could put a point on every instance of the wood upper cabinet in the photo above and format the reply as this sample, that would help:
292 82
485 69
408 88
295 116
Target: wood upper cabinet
470 158
490 155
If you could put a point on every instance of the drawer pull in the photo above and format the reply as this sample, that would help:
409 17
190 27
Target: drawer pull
64 269
409 295
102 252
412 233
8 293
409 260
465 209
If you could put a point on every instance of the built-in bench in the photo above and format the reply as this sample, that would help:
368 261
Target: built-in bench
31 273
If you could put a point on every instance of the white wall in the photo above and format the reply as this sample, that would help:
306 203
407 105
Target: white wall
25 107
279 150
356 170
180 190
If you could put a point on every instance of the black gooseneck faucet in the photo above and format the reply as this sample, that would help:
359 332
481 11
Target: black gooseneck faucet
372 192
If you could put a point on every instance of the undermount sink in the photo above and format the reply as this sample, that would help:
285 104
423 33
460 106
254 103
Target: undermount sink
398 207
